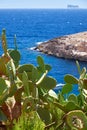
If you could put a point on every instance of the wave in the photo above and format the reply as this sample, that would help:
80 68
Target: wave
80 23
59 86
38 43
68 22
32 48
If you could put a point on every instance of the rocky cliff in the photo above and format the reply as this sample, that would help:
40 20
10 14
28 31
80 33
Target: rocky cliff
70 46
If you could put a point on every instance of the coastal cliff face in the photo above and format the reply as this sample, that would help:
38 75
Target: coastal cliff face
70 46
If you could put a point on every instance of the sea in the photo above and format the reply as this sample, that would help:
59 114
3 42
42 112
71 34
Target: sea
34 26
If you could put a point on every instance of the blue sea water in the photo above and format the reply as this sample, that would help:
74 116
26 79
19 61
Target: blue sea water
33 26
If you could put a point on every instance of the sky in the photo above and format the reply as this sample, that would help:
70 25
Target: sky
41 3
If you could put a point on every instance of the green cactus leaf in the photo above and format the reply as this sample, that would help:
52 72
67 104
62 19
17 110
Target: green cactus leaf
71 106
44 115
40 61
3 86
2 68
48 83
67 88
25 83
85 83
4 41
73 98
48 67
35 74
77 119
4 97
27 68
41 64
59 124
2 116
70 79
73 128
4 59
15 55
31 86
11 69
12 89
80 102
83 73
61 98
86 76
10 50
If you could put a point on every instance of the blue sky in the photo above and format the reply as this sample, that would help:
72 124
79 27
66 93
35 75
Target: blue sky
41 3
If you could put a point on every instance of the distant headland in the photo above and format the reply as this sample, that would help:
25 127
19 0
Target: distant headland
72 6
69 47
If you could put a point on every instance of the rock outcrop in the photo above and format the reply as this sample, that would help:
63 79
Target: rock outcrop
70 46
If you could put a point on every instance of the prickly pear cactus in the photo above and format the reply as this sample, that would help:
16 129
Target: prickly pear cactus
77 119
28 88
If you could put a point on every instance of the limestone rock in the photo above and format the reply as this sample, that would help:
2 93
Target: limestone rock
70 46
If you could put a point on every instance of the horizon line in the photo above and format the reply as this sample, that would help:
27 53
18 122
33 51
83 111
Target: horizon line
47 8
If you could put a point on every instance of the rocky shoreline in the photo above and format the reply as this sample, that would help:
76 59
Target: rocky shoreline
70 46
